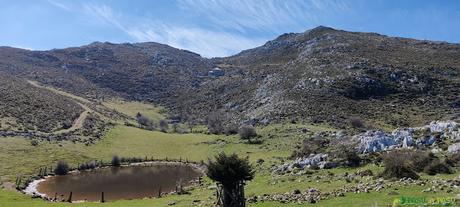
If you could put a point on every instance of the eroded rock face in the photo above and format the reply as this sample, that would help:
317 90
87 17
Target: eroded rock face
376 140
312 161
404 135
442 126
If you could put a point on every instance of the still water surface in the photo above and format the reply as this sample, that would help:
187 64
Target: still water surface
131 182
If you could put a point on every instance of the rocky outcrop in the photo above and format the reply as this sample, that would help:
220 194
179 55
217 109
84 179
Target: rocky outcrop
314 161
448 129
375 141
454 148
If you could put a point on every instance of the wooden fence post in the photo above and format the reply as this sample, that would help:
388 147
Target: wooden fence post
70 197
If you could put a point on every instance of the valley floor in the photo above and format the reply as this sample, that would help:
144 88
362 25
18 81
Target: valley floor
19 157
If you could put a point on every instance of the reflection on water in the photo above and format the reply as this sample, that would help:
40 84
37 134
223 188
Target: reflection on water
119 182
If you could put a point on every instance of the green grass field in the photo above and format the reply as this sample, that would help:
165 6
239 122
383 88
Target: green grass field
132 108
19 157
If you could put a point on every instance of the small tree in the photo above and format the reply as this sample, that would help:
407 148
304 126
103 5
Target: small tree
247 132
116 161
62 168
230 172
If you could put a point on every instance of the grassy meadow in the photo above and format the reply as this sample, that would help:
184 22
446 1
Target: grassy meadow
19 157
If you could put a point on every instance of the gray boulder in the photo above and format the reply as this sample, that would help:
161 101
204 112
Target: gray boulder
442 126
375 141
312 161
454 148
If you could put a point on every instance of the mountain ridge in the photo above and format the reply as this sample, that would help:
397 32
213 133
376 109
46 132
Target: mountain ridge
321 75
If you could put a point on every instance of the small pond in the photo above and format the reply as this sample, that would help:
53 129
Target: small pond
128 182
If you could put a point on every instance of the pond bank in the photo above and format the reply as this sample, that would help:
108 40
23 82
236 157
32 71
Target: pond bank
131 181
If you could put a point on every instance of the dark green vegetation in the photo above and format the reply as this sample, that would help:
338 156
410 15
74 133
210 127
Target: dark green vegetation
62 168
230 172
407 163
116 162
229 169
247 132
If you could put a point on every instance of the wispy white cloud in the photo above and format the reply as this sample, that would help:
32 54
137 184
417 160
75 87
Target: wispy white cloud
267 15
229 24
206 42
59 4
103 14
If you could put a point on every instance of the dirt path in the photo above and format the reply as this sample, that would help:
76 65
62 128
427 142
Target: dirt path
77 123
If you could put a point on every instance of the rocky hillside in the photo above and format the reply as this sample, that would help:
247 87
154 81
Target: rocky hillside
331 75
144 71
320 75
24 107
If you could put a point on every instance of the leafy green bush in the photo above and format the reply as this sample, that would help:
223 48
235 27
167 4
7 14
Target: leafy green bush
229 169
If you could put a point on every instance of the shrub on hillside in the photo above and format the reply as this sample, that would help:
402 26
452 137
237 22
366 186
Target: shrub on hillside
437 167
164 126
453 160
356 122
247 132
398 165
231 129
144 121
421 159
312 146
366 172
347 155
62 168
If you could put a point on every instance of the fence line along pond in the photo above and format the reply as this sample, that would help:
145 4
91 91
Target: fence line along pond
116 183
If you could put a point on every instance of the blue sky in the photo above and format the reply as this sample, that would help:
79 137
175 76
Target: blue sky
215 27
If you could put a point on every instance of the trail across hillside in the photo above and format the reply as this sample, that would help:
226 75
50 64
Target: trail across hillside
77 123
